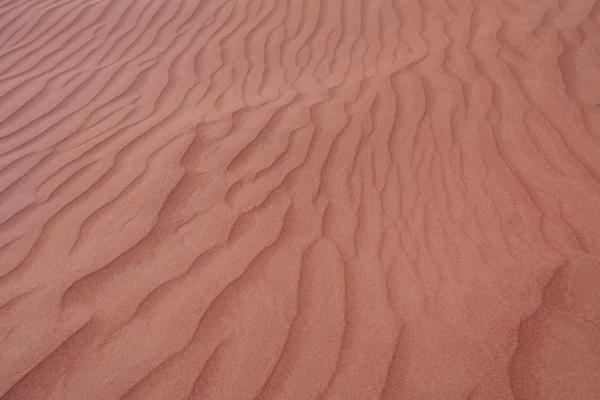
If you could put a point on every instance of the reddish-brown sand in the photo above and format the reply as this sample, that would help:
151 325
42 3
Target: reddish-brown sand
299 199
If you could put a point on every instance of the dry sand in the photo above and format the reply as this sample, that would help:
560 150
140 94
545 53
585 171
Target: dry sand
299 199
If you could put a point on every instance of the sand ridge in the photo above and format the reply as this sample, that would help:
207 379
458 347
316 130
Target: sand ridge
299 199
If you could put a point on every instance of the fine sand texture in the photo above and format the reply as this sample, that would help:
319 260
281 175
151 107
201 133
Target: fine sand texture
299 199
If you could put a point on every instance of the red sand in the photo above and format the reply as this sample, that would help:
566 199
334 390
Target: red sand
299 199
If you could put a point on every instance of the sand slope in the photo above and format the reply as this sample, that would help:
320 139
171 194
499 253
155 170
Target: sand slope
299 199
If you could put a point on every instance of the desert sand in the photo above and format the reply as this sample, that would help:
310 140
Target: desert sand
299 199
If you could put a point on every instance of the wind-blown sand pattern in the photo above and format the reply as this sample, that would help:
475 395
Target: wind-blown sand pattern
299 199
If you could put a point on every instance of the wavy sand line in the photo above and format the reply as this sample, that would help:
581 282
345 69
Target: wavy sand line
299 199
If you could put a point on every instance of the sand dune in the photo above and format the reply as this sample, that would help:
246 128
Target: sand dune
299 199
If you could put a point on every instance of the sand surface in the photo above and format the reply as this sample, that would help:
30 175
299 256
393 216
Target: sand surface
299 199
